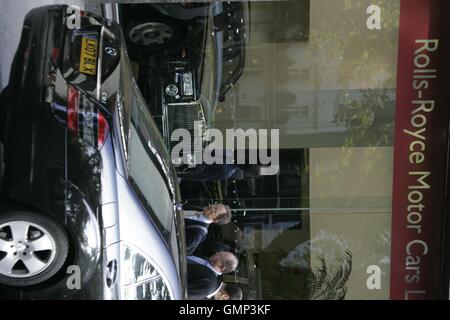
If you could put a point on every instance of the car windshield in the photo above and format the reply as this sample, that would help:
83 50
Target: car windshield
224 53
211 68
148 162
144 173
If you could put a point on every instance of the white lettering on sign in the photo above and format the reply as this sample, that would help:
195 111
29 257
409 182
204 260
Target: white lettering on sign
418 130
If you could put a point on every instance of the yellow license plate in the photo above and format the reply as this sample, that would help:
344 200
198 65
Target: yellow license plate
88 56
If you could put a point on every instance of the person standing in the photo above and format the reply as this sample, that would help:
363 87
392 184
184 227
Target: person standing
197 223
205 275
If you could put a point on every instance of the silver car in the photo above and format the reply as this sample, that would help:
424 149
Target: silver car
89 205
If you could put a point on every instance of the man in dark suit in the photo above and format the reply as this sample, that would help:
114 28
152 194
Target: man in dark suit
197 223
205 275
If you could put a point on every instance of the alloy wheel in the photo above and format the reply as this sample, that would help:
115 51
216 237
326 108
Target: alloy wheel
26 249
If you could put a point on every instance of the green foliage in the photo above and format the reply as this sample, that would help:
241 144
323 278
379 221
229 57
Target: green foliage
369 120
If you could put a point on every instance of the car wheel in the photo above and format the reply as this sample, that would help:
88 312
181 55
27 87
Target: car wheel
33 248
145 36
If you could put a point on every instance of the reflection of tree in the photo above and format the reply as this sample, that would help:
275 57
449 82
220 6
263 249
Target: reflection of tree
278 281
85 161
344 40
287 271
329 282
369 119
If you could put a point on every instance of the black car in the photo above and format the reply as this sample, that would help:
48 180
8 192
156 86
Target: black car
190 55
89 203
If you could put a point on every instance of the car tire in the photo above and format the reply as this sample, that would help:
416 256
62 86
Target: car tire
33 248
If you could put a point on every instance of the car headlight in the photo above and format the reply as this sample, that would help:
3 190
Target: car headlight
141 280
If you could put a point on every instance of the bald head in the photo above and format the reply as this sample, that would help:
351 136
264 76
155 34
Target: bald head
229 291
224 261
218 213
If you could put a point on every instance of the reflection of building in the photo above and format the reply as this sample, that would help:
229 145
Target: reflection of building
330 194
307 118
296 84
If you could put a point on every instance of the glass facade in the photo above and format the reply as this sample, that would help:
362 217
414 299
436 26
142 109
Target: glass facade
322 124
333 222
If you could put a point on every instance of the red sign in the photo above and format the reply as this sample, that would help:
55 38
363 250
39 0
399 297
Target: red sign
420 151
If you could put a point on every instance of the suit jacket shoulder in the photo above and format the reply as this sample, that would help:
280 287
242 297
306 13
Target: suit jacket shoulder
202 281
196 232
